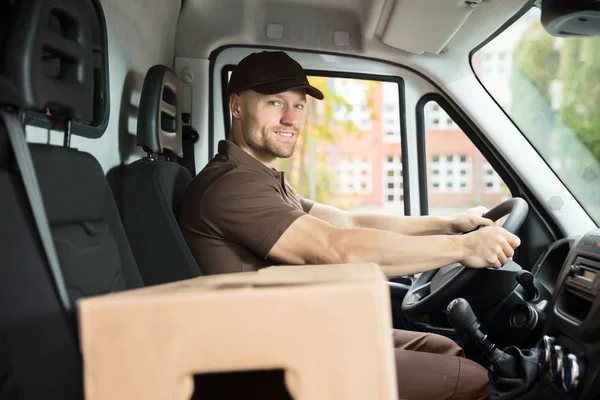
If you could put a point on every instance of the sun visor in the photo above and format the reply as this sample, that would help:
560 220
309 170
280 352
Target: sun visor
420 26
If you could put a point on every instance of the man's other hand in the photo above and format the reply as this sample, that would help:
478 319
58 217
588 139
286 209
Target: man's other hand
490 246
469 220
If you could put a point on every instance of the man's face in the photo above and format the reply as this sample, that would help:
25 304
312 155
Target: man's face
271 123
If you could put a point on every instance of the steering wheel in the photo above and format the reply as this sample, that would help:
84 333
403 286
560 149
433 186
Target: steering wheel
434 289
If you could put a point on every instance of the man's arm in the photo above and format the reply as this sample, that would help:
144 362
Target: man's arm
310 240
407 225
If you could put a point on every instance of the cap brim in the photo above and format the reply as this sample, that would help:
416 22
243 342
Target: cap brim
284 85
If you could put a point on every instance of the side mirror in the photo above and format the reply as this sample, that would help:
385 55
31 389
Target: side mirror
571 18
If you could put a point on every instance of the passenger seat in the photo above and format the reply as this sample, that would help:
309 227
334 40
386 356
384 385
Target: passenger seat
153 187
39 349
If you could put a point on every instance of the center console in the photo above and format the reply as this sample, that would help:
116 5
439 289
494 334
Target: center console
569 352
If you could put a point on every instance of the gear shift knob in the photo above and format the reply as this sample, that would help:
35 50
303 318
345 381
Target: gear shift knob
461 316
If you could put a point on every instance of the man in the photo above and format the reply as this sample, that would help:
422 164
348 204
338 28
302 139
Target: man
239 214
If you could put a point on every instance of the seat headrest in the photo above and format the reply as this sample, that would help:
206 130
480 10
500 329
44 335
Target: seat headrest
159 117
53 58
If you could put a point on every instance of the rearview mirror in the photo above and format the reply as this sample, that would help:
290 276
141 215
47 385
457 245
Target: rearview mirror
571 17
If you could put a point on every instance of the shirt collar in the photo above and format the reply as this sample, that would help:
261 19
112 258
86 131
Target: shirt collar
233 151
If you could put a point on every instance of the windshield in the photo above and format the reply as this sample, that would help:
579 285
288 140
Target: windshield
550 87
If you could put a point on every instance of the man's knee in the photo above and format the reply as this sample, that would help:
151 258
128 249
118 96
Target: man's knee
472 381
426 342
449 346
443 345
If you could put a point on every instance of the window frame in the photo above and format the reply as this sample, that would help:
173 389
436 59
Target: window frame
478 140
343 75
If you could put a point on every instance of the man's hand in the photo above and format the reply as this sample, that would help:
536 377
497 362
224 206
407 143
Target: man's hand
487 247
469 220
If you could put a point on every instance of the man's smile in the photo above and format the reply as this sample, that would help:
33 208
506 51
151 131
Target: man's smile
285 134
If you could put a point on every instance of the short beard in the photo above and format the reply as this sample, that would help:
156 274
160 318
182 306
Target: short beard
266 147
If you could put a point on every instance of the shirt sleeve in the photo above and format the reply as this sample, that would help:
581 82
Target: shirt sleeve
305 203
248 209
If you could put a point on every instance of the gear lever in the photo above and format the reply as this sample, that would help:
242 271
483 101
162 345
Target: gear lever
461 316
513 372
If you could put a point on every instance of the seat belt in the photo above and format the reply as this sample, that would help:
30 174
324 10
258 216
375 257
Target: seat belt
16 135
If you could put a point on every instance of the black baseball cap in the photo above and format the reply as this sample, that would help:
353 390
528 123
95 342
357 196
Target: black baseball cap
270 72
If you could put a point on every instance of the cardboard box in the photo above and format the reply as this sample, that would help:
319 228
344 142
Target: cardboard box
328 327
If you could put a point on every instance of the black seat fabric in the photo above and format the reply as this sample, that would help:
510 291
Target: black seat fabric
152 195
39 349
153 187
88 234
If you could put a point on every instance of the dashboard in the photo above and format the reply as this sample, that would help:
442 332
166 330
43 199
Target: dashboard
569 351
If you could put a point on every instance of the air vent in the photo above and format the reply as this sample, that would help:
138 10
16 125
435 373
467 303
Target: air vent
587 264
581 284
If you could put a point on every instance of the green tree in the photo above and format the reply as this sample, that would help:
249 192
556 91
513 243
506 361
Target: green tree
580 104
575 65
536 64
321 132
561 133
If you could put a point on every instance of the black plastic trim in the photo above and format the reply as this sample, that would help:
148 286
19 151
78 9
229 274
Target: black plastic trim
224 82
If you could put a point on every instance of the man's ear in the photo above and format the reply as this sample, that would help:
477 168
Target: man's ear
235 105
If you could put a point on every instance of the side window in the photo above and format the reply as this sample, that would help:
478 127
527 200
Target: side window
458 175
350 153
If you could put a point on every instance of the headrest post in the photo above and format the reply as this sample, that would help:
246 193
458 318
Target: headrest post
67 141
149 154
22 117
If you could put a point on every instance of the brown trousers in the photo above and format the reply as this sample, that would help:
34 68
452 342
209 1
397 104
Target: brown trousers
432 367
428 366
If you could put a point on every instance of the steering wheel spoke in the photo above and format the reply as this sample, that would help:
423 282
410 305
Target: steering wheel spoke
418 293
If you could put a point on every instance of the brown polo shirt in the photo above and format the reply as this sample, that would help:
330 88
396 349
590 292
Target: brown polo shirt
235 210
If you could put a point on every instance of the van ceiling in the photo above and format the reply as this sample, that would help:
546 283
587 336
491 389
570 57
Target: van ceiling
205 25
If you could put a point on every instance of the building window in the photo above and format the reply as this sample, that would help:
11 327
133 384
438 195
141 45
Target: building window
355 176
492 183
450 173
393 191
392 136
